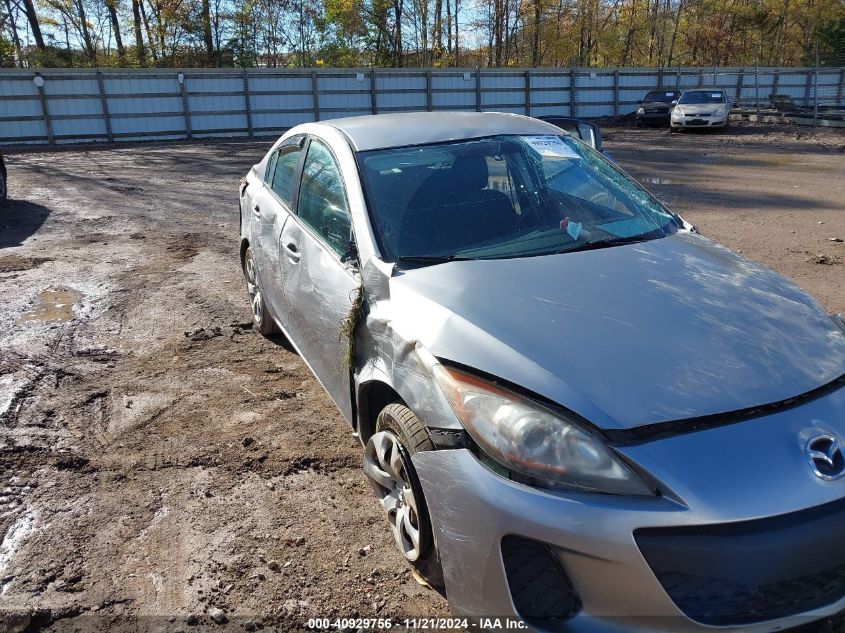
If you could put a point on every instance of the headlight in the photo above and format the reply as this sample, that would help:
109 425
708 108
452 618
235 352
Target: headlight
640 111
677 111
720 111
527 438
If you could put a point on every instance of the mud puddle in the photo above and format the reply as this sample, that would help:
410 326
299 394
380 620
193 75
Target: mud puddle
54 305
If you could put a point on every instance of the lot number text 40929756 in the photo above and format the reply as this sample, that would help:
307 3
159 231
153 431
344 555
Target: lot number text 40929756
417 624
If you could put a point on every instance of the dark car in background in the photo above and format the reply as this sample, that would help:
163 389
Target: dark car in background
656 107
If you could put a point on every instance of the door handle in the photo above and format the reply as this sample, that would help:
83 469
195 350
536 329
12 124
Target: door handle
256 210
292 251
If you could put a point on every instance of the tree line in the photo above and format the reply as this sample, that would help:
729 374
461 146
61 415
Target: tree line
420 33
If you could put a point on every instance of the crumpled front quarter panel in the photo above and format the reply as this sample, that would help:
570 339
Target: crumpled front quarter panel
668 329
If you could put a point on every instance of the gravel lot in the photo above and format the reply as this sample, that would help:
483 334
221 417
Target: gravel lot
164 465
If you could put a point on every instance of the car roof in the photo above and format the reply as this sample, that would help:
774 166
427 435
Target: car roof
704 90
382 131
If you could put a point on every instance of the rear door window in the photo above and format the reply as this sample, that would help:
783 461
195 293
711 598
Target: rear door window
285 173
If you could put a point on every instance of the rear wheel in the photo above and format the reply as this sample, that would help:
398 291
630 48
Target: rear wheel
387 464
260 315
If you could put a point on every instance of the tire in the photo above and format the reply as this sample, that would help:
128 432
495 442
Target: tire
260 314
4 192
387 464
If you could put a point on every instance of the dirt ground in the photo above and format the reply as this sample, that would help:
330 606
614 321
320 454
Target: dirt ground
163 467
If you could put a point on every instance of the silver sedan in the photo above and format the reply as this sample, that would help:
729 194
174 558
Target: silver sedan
700 108
574 409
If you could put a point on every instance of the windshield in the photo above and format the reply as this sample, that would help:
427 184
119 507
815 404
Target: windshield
504 196
661 96
702 96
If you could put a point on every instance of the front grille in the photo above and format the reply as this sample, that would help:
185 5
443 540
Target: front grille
719 602
540 589
751 571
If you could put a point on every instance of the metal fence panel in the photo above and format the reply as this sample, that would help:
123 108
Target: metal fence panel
456 100
550 97
24 131
144 105
345 101
138 85
83 105
279 122
275 82
400 101
385 82
503 98
70 128
559 79
17 86
498 81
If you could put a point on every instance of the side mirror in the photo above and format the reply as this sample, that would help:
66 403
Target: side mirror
674 103
590 134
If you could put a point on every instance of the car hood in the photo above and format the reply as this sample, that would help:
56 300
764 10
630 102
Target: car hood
705 108
655 106
669 329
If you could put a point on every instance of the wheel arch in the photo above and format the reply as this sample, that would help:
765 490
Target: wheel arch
244 245
373 396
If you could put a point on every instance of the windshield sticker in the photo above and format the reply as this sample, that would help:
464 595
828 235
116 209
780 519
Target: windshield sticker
552 146
670 94
573 229
716 95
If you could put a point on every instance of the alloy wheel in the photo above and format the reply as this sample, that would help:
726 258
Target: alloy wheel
253 289
384 465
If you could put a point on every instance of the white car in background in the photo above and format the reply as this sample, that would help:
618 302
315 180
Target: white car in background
701 108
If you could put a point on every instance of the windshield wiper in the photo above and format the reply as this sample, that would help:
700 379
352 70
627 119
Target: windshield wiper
616 241
589 246
432 259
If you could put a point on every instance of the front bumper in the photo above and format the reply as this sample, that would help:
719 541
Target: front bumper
599 539
699 121
653 117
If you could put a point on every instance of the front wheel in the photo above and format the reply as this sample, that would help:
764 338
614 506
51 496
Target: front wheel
260 315
387 464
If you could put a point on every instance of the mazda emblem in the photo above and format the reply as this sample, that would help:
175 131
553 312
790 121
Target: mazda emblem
824 452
